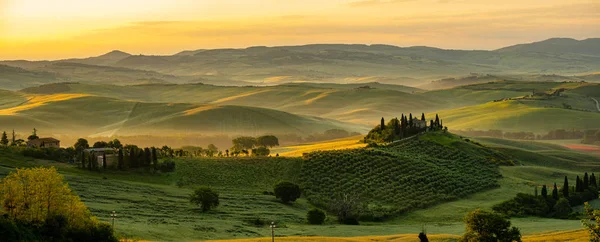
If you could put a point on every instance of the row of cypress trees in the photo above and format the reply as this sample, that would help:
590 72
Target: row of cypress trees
404 127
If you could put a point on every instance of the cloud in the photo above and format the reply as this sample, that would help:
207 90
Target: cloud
370 3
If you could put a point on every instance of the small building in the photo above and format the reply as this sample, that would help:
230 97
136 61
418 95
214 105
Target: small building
44 143
100 153
419 123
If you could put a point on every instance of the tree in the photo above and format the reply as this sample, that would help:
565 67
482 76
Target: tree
261 151
287 191
586 181
114 144
565 188
132 157
437 121
100 144
33 135
147 156
423 117
555 192
205 197
488 226
120 161
269 141
13 139
316 216
562 208
590 222
382 126
578 186
81 145
593 181
544 192
243 143
103 160
4 139
211 150
348 208
154 159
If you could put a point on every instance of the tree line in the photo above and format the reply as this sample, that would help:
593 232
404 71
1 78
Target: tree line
588 136
557 203
404 127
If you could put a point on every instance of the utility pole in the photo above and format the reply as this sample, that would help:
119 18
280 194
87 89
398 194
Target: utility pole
113 215
273 226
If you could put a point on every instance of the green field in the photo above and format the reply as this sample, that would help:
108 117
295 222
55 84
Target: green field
155 206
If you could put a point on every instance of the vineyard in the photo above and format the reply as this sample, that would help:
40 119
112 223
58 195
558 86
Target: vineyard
404 176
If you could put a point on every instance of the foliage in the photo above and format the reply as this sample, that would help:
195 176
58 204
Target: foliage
38 199
287 191
590 222
484 226
4 139
316 216
243 143
167 166
523 205
81 145
55 154
407 175
205 197
261 151
562 209
348 208
100 144
269 141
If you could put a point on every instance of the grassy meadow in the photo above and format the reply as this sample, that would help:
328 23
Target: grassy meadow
155 207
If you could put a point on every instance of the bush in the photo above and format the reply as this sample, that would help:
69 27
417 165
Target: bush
261 151
489 226
523 205
206 198
562 209
167 166
316 216
287 191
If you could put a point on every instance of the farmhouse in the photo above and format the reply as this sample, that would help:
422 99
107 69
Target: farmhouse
44 143
100 154
419 123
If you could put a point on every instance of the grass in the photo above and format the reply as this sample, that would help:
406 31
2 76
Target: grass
338 144
152 206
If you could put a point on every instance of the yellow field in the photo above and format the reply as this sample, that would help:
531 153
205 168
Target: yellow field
573 236
338 144
39 100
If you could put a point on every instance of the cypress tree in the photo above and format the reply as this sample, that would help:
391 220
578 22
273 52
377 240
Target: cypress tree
578 186
593 181
544 192
437 120
535 191
120 160
82 159
382 124
154 159
423 117
411 123
147 156
555 192
565 188
132 158
431 124
104 161
586 181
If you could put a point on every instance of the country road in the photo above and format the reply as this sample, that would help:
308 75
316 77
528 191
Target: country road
597 104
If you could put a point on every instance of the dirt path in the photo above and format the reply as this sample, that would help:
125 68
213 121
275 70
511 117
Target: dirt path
597 104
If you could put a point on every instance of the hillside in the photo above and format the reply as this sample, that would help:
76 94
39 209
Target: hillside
338 63
14 78
357 103
85 115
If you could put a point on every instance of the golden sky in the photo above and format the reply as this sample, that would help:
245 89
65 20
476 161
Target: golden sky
54 29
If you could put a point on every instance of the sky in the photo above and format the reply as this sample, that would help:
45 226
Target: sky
58 29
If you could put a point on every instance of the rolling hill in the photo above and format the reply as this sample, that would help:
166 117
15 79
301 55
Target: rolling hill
87 115
337 63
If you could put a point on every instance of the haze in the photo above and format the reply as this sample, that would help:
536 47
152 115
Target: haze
36 29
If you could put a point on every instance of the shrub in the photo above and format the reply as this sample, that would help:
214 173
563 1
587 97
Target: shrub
167 166
316 216
523 205
489 226
287 191
562 209
205 197
261 151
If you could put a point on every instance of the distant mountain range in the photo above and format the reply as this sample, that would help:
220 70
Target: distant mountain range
333 63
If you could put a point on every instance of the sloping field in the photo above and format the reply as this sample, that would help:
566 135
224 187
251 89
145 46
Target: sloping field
338 144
